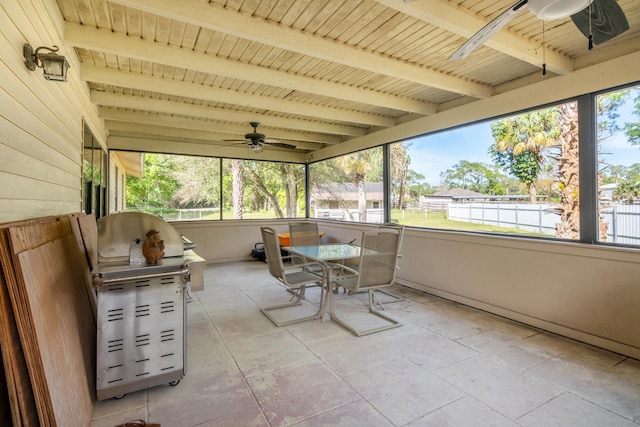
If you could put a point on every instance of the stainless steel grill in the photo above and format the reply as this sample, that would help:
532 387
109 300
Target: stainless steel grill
141 309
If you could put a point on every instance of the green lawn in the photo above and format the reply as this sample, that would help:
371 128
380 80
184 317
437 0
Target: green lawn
439 220
415 218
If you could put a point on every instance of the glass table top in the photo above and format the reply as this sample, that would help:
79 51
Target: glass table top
326 252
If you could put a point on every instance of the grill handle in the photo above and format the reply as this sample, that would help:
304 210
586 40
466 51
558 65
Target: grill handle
99 281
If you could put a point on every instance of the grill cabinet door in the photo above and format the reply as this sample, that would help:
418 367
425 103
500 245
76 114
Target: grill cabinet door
140 333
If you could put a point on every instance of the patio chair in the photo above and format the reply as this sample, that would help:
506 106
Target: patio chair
392 226
386 242
294 277
376 270
304 233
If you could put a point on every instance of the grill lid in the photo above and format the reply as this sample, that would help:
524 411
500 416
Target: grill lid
117 231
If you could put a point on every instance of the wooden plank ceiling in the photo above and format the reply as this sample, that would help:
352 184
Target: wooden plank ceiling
313 73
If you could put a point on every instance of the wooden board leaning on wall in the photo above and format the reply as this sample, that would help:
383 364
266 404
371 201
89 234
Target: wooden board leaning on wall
47 280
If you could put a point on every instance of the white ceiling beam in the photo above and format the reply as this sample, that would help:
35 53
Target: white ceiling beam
132 102
126 79
206 15
132 163
202 149
142 130
86 37
231 130
618 71
173 134
613 49
178 133
463 23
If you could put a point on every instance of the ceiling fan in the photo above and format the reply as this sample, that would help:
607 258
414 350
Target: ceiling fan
607 20
255 140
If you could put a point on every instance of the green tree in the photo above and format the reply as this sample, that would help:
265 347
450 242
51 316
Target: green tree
474 176
522 144
632 130
607 114
237 182
615 174
292 177
323 176
399 162
628 180
91 173
416 186
275 186
357 166
628 191
552 135
158 184
199 182
629 185
260 180
261 186
524 167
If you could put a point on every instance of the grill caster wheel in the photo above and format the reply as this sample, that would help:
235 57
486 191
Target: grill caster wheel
174 383
120 396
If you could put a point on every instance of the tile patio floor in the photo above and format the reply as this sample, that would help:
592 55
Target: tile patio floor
449 365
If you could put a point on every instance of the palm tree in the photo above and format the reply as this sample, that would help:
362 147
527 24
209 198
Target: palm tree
528 143
522 144
357 166
399 161
569 174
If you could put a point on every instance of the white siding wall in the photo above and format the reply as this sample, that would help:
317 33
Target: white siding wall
116 179
40 121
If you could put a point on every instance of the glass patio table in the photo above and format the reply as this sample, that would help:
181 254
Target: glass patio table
327 254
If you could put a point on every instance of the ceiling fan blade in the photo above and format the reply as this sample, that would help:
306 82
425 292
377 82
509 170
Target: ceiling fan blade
489 30
255 140
607 20
281 145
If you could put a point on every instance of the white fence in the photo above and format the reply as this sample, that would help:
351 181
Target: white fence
527 217
623 220
373 215
189 214
624 224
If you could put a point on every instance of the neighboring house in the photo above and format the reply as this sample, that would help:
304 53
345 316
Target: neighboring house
340 195
606 192
440 201
339 200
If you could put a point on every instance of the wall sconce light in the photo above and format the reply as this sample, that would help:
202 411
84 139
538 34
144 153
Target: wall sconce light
53 65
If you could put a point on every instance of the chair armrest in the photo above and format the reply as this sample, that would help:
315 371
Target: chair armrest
298 257
342 271
304 266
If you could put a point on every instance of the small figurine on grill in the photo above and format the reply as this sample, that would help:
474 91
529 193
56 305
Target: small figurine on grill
153 247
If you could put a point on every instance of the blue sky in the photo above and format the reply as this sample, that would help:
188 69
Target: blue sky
432 154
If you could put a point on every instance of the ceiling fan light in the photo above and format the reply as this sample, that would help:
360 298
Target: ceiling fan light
257 148
556 9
